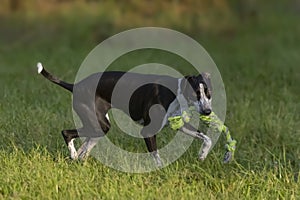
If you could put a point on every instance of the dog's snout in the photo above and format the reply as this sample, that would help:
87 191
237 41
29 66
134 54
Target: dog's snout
207 111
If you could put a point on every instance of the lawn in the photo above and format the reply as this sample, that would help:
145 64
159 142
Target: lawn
258 61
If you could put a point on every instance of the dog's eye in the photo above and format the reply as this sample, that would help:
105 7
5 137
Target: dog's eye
207 93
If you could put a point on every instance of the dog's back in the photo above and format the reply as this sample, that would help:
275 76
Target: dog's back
133 93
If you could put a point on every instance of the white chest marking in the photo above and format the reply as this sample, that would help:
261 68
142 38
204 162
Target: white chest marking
177 106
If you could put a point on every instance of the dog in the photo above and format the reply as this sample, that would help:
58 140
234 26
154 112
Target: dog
151 95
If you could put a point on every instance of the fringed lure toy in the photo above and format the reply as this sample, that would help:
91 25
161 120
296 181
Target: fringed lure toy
211 122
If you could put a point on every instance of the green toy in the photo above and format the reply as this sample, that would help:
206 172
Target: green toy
176 122
213 122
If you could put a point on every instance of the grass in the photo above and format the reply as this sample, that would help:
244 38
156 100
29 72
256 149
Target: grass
260 69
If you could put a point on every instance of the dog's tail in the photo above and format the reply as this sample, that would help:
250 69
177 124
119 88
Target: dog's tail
41 70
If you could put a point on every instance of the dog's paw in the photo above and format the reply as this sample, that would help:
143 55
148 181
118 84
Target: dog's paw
73 155
83 155
203 155
159 163
72 150
228 157
205 149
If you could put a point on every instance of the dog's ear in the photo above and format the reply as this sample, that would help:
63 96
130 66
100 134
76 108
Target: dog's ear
188 87
206 78
187 81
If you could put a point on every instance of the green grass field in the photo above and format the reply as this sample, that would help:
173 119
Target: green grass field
259 64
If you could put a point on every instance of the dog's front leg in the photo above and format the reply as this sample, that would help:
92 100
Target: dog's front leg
189 130
157 158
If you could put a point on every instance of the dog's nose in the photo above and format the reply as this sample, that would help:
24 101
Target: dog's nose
207 111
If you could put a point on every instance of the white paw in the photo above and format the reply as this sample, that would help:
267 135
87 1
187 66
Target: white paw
206 147
203 155
83 155
72 149
73 155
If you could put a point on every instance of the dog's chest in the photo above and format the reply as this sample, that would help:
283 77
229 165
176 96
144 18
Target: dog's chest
173 110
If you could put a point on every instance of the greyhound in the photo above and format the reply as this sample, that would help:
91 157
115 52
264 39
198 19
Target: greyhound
161 97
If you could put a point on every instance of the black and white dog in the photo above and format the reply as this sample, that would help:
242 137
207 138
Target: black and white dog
160 97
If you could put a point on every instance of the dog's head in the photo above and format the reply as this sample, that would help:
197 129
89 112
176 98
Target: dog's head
198 92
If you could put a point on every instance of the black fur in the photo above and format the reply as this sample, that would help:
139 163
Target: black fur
94 95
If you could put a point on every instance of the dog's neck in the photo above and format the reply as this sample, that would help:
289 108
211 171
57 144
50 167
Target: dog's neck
180 98
179 86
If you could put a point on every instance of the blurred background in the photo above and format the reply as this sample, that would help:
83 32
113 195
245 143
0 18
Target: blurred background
81 24
255 44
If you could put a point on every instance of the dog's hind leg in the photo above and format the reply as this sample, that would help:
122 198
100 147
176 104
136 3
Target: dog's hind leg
87 146
92 114
69 136
90 142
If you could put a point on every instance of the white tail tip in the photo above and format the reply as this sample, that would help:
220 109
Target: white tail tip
40 67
